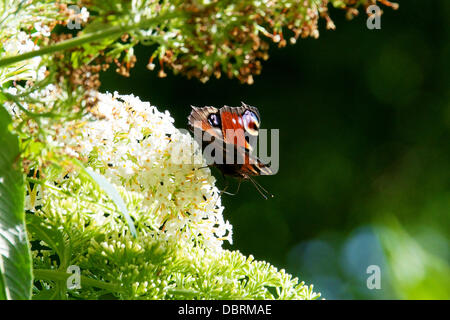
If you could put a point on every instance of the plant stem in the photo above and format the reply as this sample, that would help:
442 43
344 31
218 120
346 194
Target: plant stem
55 275
113 31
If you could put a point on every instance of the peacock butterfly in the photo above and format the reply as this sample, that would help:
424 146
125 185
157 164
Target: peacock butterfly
232 133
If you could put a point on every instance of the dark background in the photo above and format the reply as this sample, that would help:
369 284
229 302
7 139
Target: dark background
364 179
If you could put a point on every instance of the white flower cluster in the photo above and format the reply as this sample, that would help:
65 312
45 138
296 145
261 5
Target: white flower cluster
18 44
133 144
14 19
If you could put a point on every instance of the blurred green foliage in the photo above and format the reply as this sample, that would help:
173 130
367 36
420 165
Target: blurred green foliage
364 119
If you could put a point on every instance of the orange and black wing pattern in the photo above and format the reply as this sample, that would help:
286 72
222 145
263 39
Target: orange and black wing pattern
201 119
229 126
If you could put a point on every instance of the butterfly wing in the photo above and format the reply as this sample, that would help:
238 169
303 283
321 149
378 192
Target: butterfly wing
199 119
234 120
227 127
252 166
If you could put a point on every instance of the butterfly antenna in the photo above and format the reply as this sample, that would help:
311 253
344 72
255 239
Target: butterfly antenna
263 192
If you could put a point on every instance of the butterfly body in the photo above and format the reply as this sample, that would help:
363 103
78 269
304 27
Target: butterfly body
231 130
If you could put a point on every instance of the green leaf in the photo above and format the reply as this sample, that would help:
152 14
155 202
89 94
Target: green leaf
45 294
15 258
51 236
